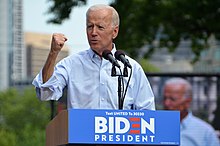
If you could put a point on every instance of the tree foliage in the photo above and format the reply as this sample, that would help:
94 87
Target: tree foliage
167 21
23 118
148 67
61 9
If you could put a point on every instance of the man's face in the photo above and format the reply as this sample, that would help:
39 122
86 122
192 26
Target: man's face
174 98
100 31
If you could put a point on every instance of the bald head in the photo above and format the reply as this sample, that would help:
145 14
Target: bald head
113 12
178 82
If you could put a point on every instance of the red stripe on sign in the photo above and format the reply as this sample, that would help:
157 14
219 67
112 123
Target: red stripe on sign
135 125
134 119
134 132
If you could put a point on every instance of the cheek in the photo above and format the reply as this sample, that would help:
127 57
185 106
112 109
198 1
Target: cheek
168 104
108 34
88 35
181 105
106 39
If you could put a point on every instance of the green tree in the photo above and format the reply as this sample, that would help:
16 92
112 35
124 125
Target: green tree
61 9
23 118
147 67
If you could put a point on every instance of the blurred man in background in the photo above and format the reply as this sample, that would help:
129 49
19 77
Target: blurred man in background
177 95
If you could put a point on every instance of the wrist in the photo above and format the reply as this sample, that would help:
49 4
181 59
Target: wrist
54 52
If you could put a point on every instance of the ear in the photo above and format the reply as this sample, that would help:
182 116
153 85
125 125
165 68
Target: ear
184 104
115 32
188 101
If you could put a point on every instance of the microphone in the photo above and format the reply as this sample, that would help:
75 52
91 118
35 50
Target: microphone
108 56
120 55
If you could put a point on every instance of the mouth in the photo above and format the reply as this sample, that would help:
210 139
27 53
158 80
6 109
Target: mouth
93 41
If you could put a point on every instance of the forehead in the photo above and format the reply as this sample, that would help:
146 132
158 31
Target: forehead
99 14
174 88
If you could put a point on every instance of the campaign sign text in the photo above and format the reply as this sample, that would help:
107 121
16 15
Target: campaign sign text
124 127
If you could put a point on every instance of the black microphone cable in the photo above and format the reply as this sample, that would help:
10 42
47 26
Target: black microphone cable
127 86
120 89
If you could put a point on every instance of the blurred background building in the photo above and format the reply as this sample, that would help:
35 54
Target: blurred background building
178 61
12 51
210 58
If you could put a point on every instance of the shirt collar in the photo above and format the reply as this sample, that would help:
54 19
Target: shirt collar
113 49
186 120
92 54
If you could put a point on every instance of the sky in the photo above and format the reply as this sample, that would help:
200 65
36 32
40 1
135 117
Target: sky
35 20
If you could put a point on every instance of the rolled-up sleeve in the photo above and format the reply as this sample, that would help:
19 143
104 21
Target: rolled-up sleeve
53 88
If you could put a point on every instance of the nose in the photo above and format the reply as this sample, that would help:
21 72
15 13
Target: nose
167 102
94 31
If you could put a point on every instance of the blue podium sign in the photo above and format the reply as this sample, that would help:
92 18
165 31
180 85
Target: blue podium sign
124 127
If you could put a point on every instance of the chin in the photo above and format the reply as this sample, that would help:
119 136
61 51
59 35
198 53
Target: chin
94 47
168 108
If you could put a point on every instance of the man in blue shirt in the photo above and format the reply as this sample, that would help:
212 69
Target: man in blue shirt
193 131
87 76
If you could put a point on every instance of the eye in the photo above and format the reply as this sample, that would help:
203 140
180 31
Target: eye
101 27
89 26
170 98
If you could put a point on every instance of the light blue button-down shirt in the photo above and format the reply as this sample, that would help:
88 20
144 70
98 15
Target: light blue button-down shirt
90 84
195 132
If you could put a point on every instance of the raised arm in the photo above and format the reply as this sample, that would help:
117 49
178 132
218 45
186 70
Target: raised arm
57 44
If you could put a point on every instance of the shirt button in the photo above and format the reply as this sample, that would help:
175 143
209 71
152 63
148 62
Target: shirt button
102 83
102 99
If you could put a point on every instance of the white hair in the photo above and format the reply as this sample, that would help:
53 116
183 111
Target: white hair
181 81
115 16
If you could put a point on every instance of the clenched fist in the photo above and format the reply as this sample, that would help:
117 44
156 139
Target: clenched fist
58 40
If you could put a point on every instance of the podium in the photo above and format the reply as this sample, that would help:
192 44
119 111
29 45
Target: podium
114 127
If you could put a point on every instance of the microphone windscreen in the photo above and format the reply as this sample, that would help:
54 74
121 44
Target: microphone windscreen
105 54
118 53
